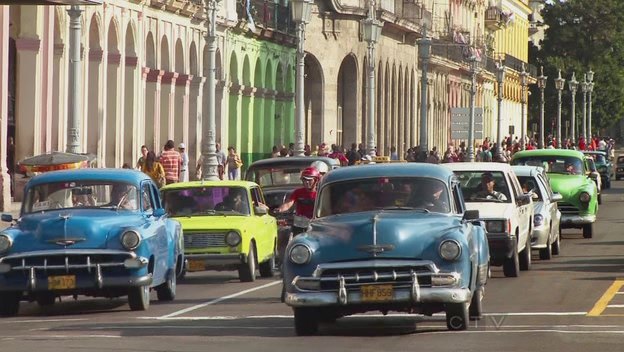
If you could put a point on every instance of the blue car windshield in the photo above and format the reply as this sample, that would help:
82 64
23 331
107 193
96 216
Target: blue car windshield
383 193
81 194
206 200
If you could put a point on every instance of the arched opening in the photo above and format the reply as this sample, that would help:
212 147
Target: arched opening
112 142
246 147
167 87
314 97
347 102
131 125
180 116
269 109
257 119
151 92
93 126
234 103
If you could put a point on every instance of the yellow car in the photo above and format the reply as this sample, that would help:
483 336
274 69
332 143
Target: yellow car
226 226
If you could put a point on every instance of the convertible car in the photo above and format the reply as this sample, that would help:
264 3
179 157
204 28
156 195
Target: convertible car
391 237
93 232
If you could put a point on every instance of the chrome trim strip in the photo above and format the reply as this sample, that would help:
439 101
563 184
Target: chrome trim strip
60 252
427 295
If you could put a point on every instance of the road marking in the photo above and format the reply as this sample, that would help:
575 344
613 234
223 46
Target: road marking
39 321
615 306
602 303
221 299
44 337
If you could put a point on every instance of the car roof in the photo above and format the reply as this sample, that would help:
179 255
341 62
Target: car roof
548 152
295 160
105 174
479 166
595 152
219 183
526 170
389 170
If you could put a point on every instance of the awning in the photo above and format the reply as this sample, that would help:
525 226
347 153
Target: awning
55 161
51 2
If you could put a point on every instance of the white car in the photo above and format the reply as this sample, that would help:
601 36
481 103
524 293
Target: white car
546 233
494 190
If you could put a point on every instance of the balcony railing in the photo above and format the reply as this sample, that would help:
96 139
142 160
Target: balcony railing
267 15
493 18
511 62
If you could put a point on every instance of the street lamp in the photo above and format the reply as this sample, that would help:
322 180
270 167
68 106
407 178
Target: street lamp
424 54
209 153
73 120
500 78
541 84
573 84
301 11
371 31
559 84
590 89
524 81
584 89
471 120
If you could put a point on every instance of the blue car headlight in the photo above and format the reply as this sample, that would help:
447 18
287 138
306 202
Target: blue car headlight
5 243
450 250
130 240
300 254
538 220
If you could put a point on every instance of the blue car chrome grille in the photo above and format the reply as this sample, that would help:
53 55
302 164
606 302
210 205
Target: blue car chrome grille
64 261
204 240
355 277
568 209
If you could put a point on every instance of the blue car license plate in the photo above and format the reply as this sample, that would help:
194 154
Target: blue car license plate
376 293
62 282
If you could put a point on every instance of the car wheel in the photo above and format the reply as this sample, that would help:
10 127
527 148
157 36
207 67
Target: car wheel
46 299
588 230
556 246
247 272
9 303
546 253
457 316
306 321
266 268
139 297
511 266
476 305
167 290
525 257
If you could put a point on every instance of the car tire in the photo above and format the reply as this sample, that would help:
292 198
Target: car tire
476 305
588 230
139 298
457 316
247 271
46 299
266 268
511 266
599 198
306 321
9 303
546 253
167 290
556 246
525 257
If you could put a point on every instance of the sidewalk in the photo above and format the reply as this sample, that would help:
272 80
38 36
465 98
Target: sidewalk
14 209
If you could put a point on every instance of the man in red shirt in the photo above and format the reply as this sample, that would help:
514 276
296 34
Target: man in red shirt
171 161
303 198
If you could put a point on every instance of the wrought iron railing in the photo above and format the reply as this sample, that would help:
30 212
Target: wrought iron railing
266 14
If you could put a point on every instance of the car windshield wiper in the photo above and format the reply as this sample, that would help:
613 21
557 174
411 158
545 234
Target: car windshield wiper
424 210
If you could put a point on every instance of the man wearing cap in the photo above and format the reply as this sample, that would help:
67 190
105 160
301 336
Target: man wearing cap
487 189
184 175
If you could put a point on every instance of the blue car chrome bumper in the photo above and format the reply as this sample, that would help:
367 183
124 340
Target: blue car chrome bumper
82 282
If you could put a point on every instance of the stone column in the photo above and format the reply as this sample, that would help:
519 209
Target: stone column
181 115
5 181
195 123
28 98
152 79
167 103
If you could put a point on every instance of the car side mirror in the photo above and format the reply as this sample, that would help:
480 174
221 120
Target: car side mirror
7 217
159 212
260 210
557 197
471 215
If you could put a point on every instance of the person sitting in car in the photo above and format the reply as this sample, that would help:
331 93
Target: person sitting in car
486 190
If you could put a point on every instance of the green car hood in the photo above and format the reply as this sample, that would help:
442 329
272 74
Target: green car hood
570 186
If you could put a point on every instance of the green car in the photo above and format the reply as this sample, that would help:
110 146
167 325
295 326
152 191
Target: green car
226 226
569 175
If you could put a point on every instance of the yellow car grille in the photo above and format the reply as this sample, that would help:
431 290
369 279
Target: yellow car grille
203 240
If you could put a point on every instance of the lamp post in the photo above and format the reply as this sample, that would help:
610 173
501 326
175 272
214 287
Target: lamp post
573 85
371 30
424 54
590 89
541 84
584 89
500 78
73 120
471 120
209 153
524 78
559 84
301 11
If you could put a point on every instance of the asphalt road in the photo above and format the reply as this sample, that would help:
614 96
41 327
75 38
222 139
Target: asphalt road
574 302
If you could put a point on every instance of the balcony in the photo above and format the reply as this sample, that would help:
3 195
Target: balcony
267 15
493 18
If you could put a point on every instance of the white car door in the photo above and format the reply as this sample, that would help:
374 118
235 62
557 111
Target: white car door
524 209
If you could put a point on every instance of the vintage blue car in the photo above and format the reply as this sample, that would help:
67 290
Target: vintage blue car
93 232
390 237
